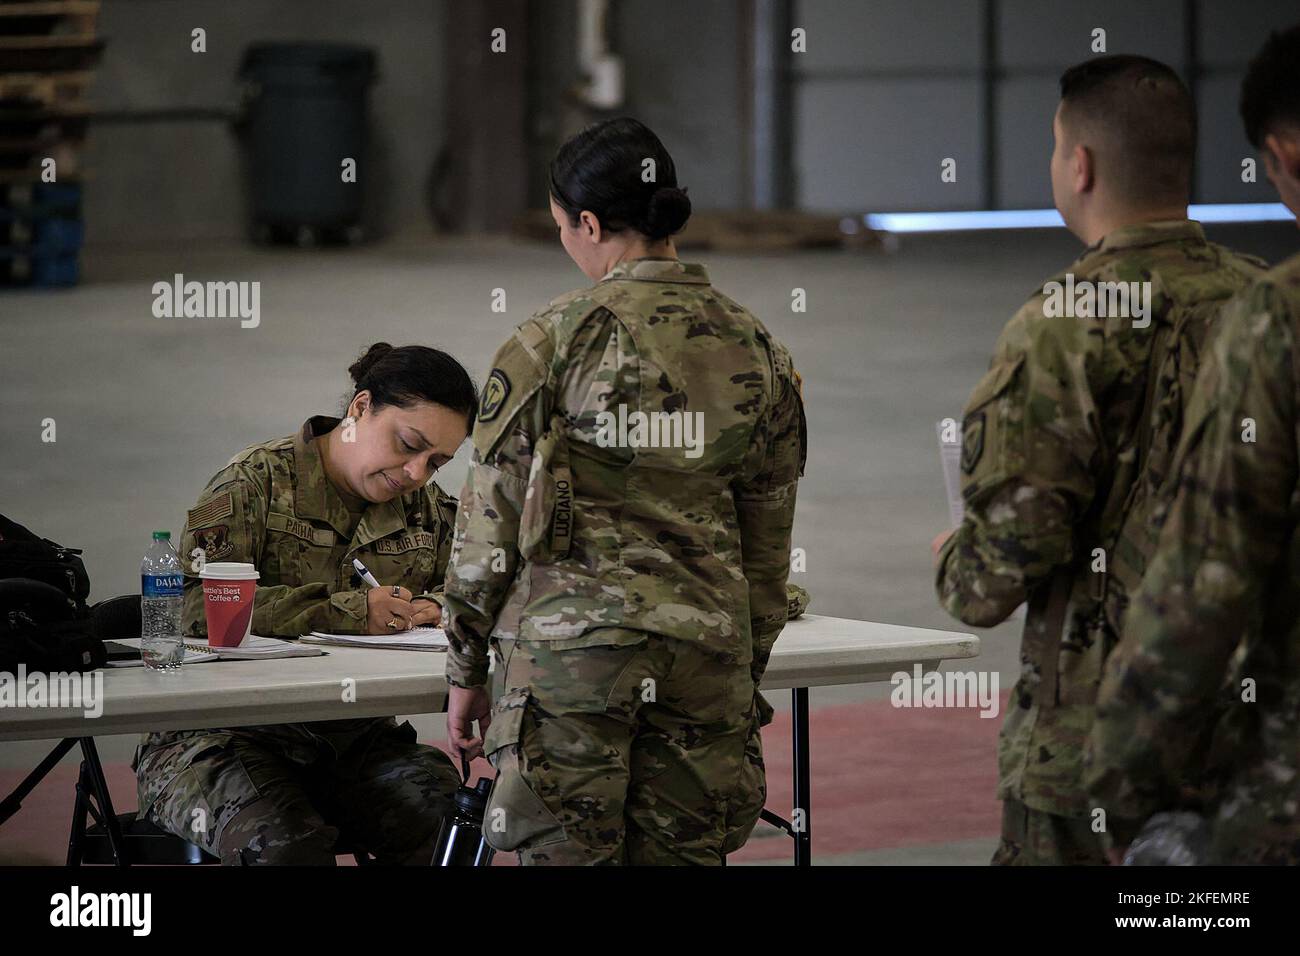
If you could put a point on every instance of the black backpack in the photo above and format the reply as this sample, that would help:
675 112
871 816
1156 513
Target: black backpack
44 621
25 555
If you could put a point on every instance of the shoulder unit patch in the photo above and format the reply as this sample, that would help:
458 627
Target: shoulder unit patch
972 442
495 393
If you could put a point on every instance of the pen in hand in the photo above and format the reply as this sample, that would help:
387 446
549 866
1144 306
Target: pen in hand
393 612
370 580
365 574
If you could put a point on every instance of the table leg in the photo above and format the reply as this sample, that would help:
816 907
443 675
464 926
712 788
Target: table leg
77 835
93 773
14 802
802 816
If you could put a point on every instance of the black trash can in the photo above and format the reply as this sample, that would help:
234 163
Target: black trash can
305 113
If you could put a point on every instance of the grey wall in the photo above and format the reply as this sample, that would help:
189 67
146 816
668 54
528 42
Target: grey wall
159 181
889 88
886 91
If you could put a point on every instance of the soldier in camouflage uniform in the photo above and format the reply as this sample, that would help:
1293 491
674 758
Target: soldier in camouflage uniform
1058 438
623 540
300 510
1221 601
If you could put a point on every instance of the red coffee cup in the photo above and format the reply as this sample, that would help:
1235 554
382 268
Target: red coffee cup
228 591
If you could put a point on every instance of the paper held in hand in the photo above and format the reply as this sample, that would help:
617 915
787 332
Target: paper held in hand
950 459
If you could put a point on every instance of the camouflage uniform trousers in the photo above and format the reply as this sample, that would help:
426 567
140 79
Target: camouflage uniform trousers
283 794
642 753
1037 838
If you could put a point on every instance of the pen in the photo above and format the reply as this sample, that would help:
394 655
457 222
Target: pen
365 574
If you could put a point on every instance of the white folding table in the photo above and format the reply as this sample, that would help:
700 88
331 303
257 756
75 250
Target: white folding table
813 651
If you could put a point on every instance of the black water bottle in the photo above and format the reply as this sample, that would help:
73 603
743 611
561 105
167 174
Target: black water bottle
460 842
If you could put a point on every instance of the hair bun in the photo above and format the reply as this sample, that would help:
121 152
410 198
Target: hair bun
362 366
667 212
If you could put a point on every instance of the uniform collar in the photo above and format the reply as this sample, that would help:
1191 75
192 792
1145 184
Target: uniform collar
659 270
315 497
1149 234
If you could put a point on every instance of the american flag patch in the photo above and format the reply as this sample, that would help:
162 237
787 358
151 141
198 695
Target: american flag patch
211 511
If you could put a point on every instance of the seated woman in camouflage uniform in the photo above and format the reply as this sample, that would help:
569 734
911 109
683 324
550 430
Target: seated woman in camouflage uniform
300 509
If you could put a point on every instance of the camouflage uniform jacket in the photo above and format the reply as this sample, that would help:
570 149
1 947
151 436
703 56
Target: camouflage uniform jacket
1221 600
1051 439
272 506
636 456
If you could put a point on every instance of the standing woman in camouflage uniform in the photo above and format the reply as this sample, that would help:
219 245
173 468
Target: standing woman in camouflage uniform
624 538
300 509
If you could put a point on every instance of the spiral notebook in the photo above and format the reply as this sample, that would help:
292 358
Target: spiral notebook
254 648
416 639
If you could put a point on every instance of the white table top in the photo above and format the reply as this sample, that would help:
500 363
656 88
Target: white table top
812 651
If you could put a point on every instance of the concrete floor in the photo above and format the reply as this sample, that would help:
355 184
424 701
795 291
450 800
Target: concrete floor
148 409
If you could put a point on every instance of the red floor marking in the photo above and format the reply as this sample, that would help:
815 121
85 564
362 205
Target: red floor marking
882 777
38 833
885 777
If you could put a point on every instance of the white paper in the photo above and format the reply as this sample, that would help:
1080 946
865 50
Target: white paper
416 639
950 460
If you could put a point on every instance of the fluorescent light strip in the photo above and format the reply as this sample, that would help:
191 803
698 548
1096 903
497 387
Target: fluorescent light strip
1050 218
1241 212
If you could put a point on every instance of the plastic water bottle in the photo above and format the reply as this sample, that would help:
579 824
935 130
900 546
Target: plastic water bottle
161 599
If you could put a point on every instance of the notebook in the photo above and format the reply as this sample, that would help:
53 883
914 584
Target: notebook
255 648
416 639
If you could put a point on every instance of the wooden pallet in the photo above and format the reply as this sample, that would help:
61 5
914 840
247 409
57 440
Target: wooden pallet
50 90
43 143
28 162
48 42
34 116
19 177
49 53
49 16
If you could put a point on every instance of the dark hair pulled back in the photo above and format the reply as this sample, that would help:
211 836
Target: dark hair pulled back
604 170
409 374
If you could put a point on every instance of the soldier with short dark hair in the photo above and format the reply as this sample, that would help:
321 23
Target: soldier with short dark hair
1220 603
1065 439
623 539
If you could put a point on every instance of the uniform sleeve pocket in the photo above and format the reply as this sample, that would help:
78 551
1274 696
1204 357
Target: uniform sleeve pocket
514 815
546 519
982 423
994 383
539 506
